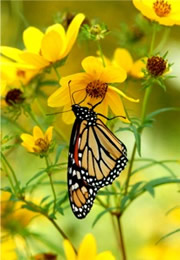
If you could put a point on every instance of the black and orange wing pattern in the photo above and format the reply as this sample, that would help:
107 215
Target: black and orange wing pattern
96 158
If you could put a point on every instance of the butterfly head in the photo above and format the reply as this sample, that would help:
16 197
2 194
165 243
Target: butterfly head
84 113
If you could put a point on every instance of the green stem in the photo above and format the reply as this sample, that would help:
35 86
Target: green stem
14 123
33 118
57 73
101 53
123 251
12 171
145 101
52 186
9 177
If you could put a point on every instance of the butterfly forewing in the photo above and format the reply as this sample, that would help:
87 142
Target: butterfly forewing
96 158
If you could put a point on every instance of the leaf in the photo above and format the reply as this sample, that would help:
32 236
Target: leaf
102 213
134 188
168 235
58 153
62 200
29 208
44 199
137 138
36 176
161 110
150 189
7 188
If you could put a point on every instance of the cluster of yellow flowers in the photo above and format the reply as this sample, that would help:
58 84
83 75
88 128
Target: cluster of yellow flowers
48 50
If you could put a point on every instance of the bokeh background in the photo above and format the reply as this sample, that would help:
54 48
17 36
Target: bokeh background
146 221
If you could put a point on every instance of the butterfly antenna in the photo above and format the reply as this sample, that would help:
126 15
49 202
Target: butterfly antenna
100 100
56 113
71 96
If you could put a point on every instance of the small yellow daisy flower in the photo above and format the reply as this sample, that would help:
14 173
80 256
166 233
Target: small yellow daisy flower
95 84
38 142
87 250
43 49
122 58
165 12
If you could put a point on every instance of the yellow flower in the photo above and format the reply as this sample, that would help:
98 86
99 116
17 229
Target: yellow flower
13 216
165 12
39 142
43 49
122 58
87 250
93 83
8 249
160 252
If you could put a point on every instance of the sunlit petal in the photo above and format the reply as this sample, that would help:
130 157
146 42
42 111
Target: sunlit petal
88 245
59 98
112 74
11 53
107 255
69 251
48 134
34 59
72 32
116 105
122 94
123 59
28 139
37 133
52 46
93 66
32 38
136 70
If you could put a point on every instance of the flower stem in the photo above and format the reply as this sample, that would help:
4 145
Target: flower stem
123 251
145 101
101 53
57 73
8 176
52 186
33 118
12 172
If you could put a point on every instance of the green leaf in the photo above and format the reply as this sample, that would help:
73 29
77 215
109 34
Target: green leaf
137 138
7 188
134 188
29 208
44 199
161 110
62 200
150 189
168 235
102 213
36 176
58 153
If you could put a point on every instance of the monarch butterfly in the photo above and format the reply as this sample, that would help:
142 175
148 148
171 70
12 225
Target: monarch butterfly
96 158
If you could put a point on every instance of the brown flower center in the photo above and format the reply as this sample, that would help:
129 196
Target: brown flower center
96 89
156 66
14 96
43 145
21 73
162 8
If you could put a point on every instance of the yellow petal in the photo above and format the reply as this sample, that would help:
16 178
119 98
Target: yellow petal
37 133
136 70
28 147
69 251
57 28
59 98
52 46
48 134
122 94
11 53
87 248
72 32
112 74
116 105
123 59
68 117
107 255
32 38
34 59
27 139
93 66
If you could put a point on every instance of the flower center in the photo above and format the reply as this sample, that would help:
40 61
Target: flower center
14 96
42 144
156 66
96 89
21 73
161 8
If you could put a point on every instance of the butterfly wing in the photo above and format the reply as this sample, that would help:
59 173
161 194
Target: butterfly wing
81 194
101 155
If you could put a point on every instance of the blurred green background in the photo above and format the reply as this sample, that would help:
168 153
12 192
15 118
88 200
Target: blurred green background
145 221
